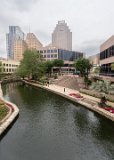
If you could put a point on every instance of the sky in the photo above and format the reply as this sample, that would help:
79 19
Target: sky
91 21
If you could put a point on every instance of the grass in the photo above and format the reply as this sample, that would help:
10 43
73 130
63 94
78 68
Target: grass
3 110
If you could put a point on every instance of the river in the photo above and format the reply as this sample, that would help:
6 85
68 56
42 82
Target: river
49 127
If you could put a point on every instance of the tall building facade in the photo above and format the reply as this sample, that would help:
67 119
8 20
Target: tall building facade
51 53
19 48
62 36
107 57
33 42
15 33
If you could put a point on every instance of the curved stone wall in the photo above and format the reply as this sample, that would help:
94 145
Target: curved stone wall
12 114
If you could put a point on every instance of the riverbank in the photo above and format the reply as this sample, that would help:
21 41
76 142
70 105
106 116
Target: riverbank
9 113
87 101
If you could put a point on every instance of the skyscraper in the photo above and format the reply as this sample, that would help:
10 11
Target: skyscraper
62 36
15 33
33 42
19 48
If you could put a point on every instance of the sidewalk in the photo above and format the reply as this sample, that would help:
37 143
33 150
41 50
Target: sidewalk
88 101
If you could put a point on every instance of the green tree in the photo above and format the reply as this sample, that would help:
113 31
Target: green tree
48 66
31 65
83 66
58 63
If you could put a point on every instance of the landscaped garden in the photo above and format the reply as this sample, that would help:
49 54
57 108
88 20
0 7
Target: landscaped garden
3 110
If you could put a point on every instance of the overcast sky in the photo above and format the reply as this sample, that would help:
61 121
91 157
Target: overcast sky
91 21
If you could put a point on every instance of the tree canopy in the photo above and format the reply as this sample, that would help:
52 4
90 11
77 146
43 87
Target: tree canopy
58 62
48 66
83 65
31 65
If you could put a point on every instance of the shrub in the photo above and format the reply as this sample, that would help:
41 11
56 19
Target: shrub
97 94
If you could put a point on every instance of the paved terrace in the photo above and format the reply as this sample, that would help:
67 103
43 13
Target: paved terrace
88 101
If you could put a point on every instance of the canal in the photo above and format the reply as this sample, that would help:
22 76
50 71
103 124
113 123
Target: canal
50 127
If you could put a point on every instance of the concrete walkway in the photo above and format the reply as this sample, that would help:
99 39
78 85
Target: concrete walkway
88 101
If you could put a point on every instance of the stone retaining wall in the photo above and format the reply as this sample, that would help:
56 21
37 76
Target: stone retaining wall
89 106
12 114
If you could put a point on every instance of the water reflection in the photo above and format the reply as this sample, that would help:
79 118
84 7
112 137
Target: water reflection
51 127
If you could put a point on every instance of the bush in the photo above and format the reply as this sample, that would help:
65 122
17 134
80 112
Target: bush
97 94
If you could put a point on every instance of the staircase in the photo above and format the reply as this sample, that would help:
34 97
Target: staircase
68 82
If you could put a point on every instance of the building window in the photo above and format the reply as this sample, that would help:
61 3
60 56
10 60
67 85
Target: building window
48 51
48 56
55 50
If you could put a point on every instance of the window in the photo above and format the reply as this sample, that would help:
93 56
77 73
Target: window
48 56
55 50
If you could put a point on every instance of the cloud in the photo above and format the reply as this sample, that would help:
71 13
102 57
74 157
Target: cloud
90 21
90 47
21 5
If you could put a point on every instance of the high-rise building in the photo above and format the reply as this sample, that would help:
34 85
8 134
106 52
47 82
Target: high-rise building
62 36
19 48
33 42
15 33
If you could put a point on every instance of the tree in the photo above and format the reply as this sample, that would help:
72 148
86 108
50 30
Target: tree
31 65
83 66
58 63
49 65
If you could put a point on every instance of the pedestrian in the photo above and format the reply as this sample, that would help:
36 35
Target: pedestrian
64 89
48 83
